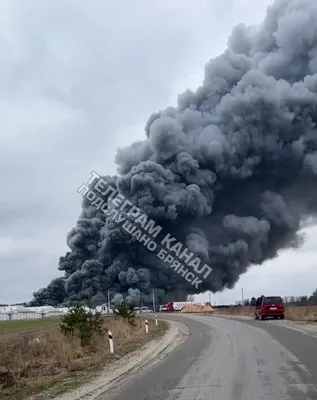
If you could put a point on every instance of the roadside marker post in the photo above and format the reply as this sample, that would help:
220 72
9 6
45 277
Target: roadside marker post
110 342
156 322
146 326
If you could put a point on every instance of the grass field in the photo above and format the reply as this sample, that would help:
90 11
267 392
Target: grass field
293 313
27 325
28 366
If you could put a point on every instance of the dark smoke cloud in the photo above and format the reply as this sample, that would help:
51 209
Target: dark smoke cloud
231 171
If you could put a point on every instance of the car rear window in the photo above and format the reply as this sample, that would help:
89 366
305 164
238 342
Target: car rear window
272 300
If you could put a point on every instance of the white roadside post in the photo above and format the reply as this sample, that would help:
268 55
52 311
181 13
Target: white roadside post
146 326
110 342
156 322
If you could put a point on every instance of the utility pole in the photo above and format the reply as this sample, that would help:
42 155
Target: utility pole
153 295
210 299
242 297
108 302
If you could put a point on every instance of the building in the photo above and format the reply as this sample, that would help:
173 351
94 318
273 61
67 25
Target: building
103 309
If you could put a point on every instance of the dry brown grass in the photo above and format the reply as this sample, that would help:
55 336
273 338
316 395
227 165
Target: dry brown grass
293 313
28 365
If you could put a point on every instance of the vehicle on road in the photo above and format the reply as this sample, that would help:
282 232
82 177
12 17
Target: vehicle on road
163 308
269 307
178 305
137 310
145 310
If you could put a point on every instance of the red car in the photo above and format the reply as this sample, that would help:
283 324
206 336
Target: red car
269 307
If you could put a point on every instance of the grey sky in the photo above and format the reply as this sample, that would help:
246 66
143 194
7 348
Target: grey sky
77 82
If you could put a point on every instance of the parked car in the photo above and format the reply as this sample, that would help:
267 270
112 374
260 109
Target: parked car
269 307
145 309
137 310
163 308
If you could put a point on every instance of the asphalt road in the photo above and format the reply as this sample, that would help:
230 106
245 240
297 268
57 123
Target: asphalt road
227 359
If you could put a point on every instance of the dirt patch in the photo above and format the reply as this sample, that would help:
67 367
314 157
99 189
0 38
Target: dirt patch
197 309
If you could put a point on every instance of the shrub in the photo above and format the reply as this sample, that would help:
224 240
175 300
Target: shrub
81 323
125 310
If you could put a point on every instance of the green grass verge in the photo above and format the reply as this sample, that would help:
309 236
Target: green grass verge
27 325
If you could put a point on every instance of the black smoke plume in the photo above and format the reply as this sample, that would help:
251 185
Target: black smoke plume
231 171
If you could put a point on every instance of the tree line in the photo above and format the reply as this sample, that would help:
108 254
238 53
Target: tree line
289 300
16 304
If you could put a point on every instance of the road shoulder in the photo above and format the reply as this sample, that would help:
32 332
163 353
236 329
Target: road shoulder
120 372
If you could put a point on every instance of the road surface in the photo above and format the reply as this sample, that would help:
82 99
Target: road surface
228 359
